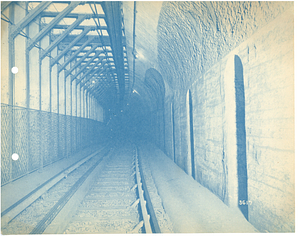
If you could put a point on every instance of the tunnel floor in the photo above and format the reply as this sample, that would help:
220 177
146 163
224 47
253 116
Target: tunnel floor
180 204
191 207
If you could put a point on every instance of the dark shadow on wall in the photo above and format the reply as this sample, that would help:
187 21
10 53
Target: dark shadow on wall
191 132
241 137
155 89
173 130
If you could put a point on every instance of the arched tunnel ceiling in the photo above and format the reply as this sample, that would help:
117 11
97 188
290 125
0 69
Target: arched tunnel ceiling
146 37
147 16
90 39
151 91
184 39
193 36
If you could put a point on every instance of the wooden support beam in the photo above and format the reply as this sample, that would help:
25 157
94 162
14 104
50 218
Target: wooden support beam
89 62
97 89
90 83
71 58
71 15
79 27
4 5
85 50
112 11
99 70
81 60
100 91
55 21
79 57
11 63
96 94
67 49
15 29
105 40
62 36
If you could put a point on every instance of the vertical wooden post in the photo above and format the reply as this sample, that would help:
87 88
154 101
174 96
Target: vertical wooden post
11 84
40 106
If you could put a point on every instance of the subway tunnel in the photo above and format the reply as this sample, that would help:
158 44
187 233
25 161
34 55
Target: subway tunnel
147 117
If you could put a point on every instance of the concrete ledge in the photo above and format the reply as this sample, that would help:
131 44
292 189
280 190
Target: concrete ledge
191 207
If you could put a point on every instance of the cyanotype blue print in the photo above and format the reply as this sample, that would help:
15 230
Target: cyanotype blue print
147 117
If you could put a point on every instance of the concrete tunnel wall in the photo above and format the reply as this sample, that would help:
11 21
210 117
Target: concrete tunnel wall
199 44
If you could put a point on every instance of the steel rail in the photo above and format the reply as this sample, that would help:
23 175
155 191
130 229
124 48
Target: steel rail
142 201
14 210
50 216
153 219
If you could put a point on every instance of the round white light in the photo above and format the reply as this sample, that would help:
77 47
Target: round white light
15 156
14 70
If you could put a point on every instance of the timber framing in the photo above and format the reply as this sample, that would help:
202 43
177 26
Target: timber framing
67 49
90 54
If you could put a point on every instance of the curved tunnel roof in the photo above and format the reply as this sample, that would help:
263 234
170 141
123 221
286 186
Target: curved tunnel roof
193 36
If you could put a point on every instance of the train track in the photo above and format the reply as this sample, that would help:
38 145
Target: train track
101 194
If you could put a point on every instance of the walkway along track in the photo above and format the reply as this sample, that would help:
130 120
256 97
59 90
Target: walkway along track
100 194
24 215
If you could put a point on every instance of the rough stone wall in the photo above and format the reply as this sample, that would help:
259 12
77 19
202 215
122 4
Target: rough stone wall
192 36
269 97
209 131
195 41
